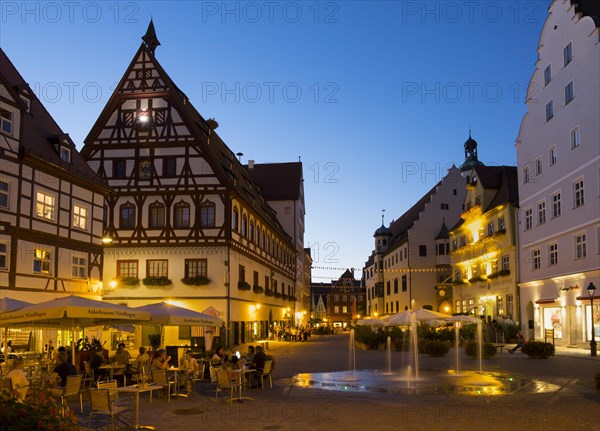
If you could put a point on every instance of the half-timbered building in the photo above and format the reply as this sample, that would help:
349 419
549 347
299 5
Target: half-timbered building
51 202
186 222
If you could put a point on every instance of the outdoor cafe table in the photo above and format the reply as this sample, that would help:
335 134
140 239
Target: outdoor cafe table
135 389
111 369
241 375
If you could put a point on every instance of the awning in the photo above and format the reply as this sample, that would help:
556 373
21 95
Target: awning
546 300
587 297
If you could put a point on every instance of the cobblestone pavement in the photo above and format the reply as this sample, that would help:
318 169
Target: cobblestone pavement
558 395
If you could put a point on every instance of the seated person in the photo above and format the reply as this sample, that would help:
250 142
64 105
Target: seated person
67 351
189 363
60 373
161 361
141 365
96 360
258 364
189 366
121 356
219 358
20 383
236 364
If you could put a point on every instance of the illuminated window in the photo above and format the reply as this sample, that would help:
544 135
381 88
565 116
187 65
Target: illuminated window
45 205
127 268
79 217
336 309
41 261
79 267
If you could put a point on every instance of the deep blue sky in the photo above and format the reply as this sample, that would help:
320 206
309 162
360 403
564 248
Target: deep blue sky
388 89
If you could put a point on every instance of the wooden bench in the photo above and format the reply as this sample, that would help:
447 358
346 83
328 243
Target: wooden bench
498 346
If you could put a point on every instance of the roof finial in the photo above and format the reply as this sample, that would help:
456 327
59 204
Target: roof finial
382 216
150 38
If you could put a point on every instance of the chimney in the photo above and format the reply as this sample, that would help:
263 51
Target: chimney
250 165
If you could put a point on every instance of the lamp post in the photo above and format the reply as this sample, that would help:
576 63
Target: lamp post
591 289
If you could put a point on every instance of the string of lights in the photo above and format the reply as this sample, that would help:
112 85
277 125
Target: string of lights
388 270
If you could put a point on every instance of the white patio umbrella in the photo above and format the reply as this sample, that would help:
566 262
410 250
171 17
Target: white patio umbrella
163 313
71 312
371 322
406 317
464 319
10 304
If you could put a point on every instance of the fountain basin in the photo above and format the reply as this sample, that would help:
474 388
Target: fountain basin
429 382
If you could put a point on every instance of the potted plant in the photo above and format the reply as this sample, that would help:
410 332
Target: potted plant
128 281
195 281
436 348
244 285
257 289
538 349
156 281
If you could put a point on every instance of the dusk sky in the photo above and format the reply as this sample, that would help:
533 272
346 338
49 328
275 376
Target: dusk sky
376 98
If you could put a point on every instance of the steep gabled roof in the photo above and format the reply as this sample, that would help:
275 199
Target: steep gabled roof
501 178
230 172
40 133
443 233
589 8
401 226
277 181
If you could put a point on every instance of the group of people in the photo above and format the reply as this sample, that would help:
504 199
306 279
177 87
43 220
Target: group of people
62 369
254 359
292 333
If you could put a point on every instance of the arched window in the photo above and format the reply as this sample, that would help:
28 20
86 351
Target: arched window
181 216
235 222
263 239
207 214
156 215
251 236
127 216
244 225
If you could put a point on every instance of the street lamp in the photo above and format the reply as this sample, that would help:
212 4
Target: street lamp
591 289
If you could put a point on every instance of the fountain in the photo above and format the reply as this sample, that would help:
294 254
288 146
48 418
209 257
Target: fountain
428 381
352 354
389 354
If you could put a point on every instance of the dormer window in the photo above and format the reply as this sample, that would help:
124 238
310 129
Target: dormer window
65 154
27 102
6 121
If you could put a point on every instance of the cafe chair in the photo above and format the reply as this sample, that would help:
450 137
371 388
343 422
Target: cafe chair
72 388
88 374
101 405
160 378
142 370
112 387
267 373
227 380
